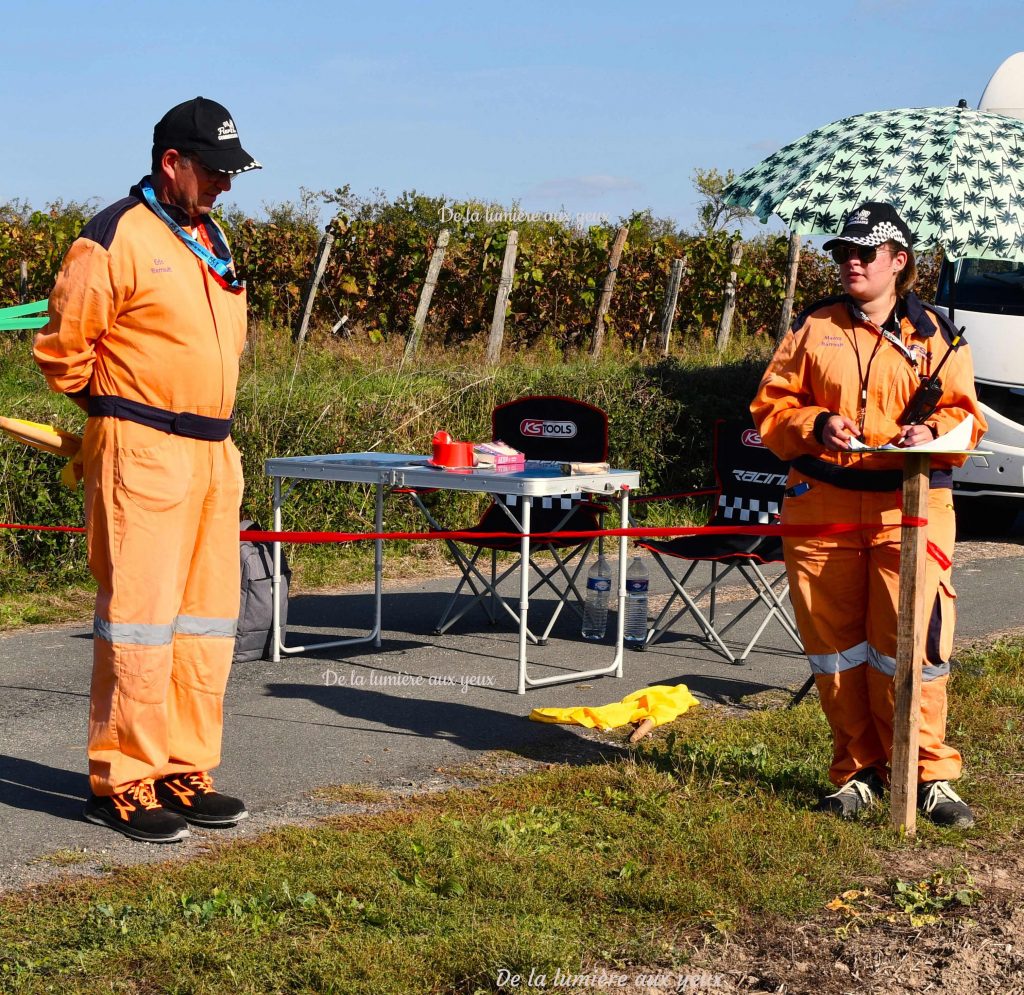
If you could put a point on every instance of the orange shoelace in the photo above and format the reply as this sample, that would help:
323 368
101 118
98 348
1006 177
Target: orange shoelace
140 795
201 781
143 793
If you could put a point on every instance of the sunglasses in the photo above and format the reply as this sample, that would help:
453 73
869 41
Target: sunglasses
865 253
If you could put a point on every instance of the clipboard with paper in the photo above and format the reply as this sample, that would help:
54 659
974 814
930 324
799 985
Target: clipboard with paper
955 442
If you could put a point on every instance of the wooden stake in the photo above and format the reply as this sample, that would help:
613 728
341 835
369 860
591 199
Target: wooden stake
606 294
323 253
668 309
508 267
910 640
792 265
426 294
729 304
642 730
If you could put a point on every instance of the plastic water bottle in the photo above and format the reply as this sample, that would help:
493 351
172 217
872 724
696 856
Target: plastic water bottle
595 608
637 581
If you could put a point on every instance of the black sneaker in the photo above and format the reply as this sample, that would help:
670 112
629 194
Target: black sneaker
192 795
136 813
862 791
940 803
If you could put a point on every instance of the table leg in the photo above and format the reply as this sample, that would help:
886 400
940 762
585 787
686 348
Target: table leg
378 565
373 636
620 629
524 591
275 636
614 669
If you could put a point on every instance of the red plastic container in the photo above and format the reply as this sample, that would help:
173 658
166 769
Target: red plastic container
451 454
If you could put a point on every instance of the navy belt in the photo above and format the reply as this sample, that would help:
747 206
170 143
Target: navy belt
173 422
851 478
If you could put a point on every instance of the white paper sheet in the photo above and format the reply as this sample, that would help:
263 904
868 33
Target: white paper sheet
956 440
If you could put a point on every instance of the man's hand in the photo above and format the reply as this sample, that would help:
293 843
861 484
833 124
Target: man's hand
837 433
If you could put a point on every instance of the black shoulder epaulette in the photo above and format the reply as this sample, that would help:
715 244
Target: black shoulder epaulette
811 308
103 227
917 312
949 330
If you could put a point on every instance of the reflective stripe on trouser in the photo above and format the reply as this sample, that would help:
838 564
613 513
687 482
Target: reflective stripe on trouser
845 591
162 512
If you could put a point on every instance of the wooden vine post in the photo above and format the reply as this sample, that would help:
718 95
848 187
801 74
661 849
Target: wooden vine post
323 253
910 644
729 304
508 268
668 308
792 265
413 342
606 294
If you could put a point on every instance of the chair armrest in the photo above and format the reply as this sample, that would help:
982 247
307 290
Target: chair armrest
638 506
680 496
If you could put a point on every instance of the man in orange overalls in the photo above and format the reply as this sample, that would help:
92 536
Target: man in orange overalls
147 323
846 373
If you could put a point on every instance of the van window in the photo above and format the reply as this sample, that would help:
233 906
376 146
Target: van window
990 285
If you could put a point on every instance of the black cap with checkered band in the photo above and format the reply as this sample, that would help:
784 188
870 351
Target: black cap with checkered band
872 224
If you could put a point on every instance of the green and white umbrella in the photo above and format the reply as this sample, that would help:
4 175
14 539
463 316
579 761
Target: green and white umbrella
955 175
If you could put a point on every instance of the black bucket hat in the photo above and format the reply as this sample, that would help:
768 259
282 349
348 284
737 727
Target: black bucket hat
872 224
206 129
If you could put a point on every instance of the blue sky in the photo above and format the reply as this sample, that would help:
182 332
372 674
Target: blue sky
600 108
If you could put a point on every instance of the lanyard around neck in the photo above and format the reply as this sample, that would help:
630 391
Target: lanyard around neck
892 338
221 267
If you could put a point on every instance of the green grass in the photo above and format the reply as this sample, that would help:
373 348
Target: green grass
548 871
708 828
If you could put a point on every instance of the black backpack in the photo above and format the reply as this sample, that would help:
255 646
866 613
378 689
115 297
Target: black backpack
256 607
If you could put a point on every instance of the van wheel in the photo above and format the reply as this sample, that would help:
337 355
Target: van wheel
984 518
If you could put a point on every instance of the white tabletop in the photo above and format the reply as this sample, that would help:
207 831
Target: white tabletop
404 470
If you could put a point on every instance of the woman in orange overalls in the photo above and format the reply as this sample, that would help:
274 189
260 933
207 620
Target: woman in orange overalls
846 372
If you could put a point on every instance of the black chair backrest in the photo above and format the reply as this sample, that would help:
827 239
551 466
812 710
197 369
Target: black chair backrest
553 428
752 480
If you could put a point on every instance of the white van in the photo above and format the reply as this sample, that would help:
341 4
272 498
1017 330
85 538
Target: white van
989 303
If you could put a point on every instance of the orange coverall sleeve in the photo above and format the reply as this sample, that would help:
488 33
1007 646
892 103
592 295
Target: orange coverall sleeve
82 308
784 408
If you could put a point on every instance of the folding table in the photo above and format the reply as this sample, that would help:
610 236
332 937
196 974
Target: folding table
388 471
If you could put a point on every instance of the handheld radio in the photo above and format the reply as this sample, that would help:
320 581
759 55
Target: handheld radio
927 396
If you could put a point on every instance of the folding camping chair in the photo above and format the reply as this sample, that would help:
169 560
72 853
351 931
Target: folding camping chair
557 429
750 483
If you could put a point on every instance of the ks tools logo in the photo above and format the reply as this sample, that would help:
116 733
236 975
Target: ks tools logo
751 437
537 428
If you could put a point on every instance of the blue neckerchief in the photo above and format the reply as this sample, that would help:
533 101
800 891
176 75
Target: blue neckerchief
223 267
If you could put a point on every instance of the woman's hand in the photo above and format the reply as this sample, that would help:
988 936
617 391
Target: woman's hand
837 433
914 435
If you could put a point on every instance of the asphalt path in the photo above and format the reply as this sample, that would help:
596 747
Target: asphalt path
403 716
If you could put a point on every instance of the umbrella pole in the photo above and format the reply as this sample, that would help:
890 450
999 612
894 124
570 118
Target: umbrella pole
951 280
910 639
